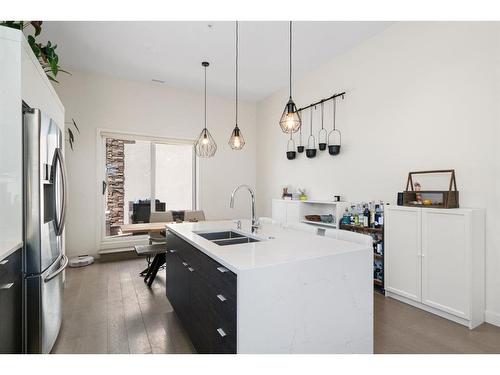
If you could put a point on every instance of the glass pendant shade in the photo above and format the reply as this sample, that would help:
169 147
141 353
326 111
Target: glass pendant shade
205 145
236 141
290 121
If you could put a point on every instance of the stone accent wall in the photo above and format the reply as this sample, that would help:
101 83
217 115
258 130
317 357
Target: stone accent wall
115 165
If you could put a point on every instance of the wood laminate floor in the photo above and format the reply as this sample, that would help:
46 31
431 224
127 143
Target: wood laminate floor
108 309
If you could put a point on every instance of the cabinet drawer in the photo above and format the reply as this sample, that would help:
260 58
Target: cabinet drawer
11 267
214 273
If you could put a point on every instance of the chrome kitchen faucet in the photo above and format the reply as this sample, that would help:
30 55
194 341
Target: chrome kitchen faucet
255 222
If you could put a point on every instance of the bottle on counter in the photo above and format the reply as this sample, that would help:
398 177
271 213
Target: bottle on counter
356 215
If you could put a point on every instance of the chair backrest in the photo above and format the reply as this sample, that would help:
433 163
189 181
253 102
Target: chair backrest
303 227
161 217
194 215
346 235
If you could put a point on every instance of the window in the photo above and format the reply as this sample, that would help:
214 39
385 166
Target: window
140 170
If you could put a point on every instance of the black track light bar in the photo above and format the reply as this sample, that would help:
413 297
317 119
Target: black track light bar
322 101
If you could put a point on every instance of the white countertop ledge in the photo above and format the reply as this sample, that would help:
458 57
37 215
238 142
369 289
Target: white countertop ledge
8 247
277 246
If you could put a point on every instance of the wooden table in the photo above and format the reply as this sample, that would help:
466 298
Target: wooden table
144 227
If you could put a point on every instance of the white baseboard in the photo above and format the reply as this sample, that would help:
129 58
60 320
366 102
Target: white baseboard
442 314
492 317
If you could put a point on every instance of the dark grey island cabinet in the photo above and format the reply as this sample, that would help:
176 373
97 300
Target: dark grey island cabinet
11 303
203 295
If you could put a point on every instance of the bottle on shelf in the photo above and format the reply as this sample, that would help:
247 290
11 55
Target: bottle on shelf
356 215
376 221
372 214
381 217
346 219
366 216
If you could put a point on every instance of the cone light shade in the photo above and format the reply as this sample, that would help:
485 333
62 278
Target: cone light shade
205 146
236 140
290 121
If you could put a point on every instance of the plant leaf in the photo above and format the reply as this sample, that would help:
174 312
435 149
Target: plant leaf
52 78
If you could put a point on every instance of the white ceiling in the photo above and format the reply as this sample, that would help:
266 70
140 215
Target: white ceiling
172 51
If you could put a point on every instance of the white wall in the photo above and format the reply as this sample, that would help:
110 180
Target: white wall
97 101
419 96
11 221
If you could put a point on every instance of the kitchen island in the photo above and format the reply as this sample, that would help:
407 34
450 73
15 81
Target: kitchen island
276 291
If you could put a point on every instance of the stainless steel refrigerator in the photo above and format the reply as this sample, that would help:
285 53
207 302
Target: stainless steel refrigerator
44 216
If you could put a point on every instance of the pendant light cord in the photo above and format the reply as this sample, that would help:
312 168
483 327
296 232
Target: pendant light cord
290 72
205 97
237 41
322 115
311 120
334 111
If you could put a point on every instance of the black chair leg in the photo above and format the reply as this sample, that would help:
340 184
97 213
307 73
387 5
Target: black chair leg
159 260
151 268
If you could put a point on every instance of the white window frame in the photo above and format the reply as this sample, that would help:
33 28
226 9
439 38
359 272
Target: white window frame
108 244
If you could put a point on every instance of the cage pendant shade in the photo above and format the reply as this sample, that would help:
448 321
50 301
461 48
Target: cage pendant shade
205 146
290 119
236 141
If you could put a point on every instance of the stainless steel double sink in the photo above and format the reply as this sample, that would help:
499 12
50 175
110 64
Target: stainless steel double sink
228 237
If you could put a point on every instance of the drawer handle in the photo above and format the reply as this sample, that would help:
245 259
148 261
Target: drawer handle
221 332
184 264
173 251
222 269
6 286
191 269
4 262
221 297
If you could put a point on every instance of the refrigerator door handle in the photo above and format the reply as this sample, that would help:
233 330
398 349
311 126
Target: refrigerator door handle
62 220
64 259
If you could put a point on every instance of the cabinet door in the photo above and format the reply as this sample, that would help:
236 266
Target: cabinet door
11 304
279 211
292 212
174 281
403 263
445 261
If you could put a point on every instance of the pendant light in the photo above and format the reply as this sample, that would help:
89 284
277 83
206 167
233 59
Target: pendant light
236 140
290 121
205 146
290 149
300 147
335 142
311 141
322 136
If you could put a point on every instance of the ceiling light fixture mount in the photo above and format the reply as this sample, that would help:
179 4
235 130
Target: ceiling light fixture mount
290 121
205 145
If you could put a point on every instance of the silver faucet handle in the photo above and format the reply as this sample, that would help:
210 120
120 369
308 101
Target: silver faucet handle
238 224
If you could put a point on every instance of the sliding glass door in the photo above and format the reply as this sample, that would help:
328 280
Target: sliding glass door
142 175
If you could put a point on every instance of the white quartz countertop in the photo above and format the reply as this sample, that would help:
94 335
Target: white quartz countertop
8 247
277 246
